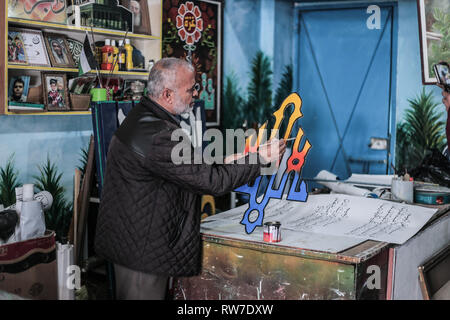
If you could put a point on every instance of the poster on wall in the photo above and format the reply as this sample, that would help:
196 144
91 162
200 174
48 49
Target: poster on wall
192 31
49 11
434 29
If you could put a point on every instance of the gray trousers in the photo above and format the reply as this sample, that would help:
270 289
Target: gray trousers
136 285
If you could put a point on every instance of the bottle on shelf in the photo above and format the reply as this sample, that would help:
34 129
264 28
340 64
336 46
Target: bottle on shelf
115 56
129 56
122 57
107 55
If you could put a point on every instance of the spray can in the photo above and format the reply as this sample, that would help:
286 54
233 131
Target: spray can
115 55
129 56
107 55
122 57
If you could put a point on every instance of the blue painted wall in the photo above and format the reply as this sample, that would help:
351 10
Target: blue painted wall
409 76
249 27
31 138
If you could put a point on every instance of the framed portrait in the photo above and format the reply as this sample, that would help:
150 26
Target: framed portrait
192 30
141 15
36 51
434 276
55 91
16 48
434 32
58 50
18 89
50 11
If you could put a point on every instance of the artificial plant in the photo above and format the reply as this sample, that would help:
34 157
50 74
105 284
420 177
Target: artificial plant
257 106
8 183
59 216
421 130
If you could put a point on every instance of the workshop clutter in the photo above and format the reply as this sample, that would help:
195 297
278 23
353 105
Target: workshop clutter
28 253
25 219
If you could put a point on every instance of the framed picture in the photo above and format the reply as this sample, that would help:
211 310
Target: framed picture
36 51
434 276
434 26
192 30
51 11
18 88
141 15
134 89
58 49
75 48
55 91
16 48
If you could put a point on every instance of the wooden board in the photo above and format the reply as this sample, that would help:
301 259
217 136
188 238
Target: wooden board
83 202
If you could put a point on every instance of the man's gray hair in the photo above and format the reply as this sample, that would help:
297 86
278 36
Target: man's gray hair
164 75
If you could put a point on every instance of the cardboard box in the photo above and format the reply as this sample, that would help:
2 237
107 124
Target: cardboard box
29 269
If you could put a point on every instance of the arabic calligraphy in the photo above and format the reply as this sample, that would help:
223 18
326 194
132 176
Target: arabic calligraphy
41 10
295 162
52 7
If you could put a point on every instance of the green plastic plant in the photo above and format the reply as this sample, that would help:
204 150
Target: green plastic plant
284 89
84 160
8 183
258 107
420 131
59 216
233 103
259 100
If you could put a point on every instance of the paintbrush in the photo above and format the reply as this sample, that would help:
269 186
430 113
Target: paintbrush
266 144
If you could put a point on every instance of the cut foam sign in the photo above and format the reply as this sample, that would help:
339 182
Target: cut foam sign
295 164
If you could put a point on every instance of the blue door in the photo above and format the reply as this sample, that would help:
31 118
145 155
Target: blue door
344 72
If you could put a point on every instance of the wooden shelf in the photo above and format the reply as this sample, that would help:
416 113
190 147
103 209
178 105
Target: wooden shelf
74 70
40 68
149 45
50 113
62 27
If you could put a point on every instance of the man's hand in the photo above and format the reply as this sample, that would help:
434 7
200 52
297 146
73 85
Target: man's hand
233 157
272 150
269 152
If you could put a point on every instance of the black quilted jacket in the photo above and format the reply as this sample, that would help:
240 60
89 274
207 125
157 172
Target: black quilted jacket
149 216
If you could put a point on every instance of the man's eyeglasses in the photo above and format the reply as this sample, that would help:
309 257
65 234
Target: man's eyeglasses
195 87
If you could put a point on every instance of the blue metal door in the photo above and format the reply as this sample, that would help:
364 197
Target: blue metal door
344 72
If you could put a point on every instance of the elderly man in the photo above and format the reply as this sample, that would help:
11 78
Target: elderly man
149 220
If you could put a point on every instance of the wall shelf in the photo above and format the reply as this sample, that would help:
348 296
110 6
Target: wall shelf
62 27
150 46
74 70
49 113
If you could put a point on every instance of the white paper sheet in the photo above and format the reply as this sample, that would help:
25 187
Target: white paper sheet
331 222
289 238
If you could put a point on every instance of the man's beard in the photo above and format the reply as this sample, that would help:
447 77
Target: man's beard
137 20
180 107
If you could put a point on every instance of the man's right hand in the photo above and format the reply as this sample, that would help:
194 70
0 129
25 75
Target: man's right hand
272 150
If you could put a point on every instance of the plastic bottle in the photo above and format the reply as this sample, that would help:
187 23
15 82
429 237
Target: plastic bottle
129 51
122 57
107 55
115 56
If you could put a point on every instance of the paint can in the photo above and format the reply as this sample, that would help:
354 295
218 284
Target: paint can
272 231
